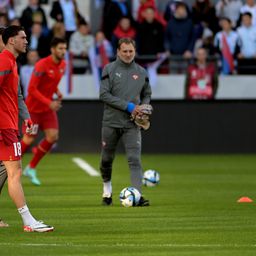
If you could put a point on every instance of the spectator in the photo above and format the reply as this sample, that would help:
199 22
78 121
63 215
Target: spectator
202 78
31 14
250 6
58 30
226 43
7 7
66 11
171 7
104 51
247 38
145 4
180 33
100 40
113 11
229 9
4 21
203 15
80 43
27 69
123 29
38 41
206 41
150 30
15 21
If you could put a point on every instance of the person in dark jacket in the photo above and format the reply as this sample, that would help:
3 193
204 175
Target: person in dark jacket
180 33
150 30
38 41
31 14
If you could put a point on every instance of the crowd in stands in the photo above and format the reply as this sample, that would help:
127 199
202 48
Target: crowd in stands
226 29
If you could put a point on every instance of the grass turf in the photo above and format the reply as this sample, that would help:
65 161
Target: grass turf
193 211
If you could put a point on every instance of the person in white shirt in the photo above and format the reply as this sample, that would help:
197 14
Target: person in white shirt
247 37
80 43
250 6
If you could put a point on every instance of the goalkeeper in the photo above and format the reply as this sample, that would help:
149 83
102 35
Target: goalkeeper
126 94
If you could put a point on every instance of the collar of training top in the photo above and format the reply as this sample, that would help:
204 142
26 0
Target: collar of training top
123 64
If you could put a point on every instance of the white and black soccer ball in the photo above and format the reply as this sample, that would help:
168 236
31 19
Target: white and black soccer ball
129 197
151 178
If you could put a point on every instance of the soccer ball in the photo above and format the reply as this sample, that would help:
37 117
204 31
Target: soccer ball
151 178
130 196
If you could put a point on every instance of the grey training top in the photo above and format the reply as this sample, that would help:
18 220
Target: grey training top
122 83
23 111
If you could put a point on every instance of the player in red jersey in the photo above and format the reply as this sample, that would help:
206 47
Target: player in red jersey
24 115
15 42
42 106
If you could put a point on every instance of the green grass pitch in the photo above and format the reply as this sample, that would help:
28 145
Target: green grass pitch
193 211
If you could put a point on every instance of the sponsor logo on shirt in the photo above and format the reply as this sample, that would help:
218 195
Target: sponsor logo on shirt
118 74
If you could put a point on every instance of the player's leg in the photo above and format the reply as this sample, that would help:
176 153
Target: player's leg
45 145
16 193
48 122
3 177
110 137
10 154
26 142
132 144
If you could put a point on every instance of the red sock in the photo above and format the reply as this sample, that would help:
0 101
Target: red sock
24 147
43 148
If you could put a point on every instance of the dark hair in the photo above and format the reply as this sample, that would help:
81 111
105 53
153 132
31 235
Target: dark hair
11 31
247 14
226 19
180 4
125 40
57 40
1 30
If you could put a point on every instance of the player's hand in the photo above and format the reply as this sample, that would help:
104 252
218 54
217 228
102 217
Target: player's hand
29 126
136 111
55 105
59 95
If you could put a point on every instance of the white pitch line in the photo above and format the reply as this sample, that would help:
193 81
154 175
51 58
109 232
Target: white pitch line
132 245
85 166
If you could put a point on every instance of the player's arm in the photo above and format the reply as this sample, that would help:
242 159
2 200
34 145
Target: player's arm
5 69
37 74
105 93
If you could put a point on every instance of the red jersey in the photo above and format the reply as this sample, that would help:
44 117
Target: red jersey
43 84
201 81
9 80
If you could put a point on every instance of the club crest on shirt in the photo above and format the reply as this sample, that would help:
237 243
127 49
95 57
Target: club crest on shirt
61 70
51 71
135 77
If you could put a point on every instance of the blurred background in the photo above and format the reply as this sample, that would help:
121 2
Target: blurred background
200 56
